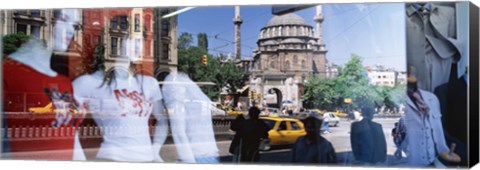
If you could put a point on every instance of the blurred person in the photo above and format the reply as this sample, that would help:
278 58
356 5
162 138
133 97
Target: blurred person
29 82
325 127
357 115
367 139
190 119
313 148
253 131
121 102
398 134
235 146
425 137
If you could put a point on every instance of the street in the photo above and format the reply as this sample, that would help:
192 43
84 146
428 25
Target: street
340 138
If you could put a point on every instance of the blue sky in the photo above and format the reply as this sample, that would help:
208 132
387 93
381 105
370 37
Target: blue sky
375 31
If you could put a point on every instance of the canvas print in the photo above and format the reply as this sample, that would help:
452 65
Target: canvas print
377 84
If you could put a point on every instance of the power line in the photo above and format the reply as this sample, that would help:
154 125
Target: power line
336 36
244 22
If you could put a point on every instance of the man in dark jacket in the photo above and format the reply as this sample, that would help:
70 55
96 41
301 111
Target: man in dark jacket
367 139
253 131
313 148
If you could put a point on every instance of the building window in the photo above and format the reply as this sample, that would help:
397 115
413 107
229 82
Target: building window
114 23
119 22
22 12
114 46
22 28
165 28
295 59
137 22
165 51
304 64
35 31
35 13
272 64
287 65
123 22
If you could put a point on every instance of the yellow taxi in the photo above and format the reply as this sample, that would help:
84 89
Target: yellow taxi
233 111
283 130
340 114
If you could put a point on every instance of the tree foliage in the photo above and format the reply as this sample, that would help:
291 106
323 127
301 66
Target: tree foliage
320 93
202 41
185 40
221 72
12 42
352 82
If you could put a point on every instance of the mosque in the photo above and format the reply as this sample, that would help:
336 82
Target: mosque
289 50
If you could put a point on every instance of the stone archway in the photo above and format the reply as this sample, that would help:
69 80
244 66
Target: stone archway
278 95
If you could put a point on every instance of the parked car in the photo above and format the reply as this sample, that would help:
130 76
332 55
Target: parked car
334 120
283 131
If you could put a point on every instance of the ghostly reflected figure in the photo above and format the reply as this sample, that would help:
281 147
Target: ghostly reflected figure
190 115
30 83
121 102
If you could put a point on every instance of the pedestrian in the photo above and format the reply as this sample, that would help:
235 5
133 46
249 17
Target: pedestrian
398 134
368 142
313 148
326 119
253 132
235 145
357 115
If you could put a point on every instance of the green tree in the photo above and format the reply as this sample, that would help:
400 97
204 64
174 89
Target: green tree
202 41
320 93
222 73
185 40
12 42
352 82
190 61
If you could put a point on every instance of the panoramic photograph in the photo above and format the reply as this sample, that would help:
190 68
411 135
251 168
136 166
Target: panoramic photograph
360 84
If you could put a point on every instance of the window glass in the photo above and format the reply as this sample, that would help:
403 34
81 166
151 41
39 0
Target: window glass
295 126
282 126
22 28
113 46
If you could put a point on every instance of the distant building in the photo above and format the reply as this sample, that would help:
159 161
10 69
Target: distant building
401 77
153 46
39 24
331 70
381 76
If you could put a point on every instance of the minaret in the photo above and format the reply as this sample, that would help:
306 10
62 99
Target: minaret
318 18
237 21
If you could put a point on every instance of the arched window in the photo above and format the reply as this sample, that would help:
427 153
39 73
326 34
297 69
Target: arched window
304 64
295 59
287 65
272 64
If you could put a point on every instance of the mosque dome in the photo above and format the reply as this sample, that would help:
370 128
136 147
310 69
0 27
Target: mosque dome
286 19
